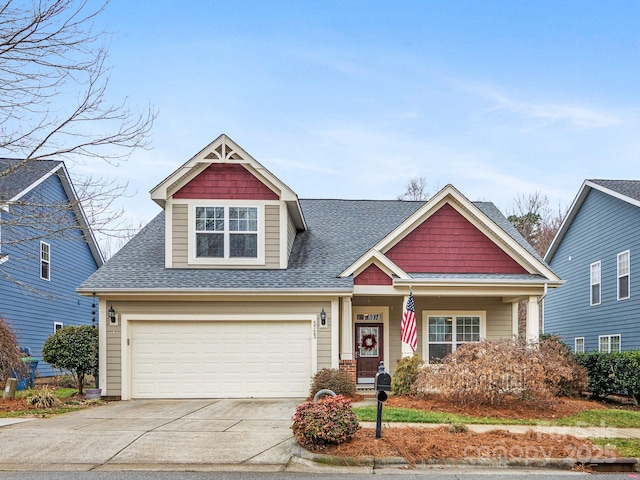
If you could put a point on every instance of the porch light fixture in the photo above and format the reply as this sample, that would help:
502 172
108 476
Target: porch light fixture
112 315
323 318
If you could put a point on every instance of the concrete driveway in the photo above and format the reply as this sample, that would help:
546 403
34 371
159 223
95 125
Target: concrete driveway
155 434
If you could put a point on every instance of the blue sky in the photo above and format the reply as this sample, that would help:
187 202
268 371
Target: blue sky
351 99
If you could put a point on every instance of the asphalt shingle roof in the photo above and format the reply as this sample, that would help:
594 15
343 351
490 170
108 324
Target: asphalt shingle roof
16 182
339 232
629 188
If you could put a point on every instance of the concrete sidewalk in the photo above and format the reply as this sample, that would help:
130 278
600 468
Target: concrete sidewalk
578 432
156 435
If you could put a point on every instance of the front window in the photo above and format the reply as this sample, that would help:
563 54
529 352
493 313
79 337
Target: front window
446 332
623 275
579 345
609 343
595 283
45 261
226 232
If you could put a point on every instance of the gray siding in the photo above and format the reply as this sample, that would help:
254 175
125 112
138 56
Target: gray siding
604 227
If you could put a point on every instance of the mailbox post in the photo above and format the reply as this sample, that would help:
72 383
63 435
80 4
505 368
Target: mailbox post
382 385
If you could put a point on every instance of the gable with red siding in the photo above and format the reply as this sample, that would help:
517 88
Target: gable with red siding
372 275
447 242
226 182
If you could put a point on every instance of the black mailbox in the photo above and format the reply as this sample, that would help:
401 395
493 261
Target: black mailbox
383 380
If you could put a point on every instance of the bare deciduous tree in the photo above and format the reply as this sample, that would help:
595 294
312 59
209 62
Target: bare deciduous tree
53 106
538 224
535 220
415 190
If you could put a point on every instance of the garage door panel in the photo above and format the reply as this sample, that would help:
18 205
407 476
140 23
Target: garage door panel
220 359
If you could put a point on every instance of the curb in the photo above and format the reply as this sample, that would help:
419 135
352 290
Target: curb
369 461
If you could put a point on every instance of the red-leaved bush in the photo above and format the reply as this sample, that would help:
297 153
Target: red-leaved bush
330 421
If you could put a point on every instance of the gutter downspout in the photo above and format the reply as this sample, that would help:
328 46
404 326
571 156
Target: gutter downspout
541 303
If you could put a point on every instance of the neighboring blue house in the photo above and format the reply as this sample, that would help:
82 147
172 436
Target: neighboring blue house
597 253
46 251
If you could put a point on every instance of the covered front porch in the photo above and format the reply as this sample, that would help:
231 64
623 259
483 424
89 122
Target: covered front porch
370 326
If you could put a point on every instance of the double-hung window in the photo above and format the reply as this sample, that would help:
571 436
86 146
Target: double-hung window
45 261
623 275
595 283
446 332
578 345
609 343
226 232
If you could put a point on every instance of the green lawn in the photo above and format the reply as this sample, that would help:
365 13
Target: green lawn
593 418
624 447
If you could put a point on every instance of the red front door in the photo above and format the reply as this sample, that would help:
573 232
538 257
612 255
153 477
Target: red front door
369 350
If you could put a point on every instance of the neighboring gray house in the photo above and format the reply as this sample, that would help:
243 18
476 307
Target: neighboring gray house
596 253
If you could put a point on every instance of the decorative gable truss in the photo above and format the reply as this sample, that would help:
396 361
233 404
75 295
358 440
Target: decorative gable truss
452 245
223 209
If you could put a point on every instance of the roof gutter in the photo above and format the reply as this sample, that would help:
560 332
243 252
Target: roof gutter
207 291
475 281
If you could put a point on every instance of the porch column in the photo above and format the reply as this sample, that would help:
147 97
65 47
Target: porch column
346 347
406 350
515 317
347 362
533 320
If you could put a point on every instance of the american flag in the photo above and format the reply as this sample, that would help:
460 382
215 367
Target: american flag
408 326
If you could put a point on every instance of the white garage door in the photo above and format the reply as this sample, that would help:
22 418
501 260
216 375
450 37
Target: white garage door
218 359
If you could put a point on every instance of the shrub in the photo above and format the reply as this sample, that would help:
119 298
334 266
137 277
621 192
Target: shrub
10 356
612 373
339 381
428 380
330 421
404 378
75 349
44 397
562 374
487 372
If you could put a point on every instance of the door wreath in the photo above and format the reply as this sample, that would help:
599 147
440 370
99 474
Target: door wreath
368 342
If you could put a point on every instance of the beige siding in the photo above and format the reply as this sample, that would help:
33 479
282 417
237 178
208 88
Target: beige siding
291 234
243 306
272 236
498 313
395 318
114 372
180 236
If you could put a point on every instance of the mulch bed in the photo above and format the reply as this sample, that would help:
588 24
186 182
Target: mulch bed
418 444
439 443
12 404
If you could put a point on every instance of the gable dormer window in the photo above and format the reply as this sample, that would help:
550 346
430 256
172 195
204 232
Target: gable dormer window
226 234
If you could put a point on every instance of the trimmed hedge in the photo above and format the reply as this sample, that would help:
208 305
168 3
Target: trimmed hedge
612 373
338 381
